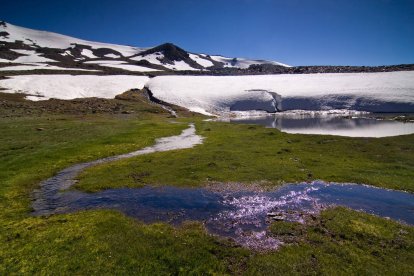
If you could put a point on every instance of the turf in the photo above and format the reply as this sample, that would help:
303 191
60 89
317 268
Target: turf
102 242
34 148
340 242
252 154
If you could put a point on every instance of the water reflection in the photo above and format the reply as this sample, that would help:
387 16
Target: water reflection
330 125
243 216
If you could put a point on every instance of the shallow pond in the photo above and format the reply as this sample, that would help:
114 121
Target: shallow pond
241 215
332 124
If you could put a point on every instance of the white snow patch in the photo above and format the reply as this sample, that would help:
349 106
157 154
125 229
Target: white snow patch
34 66
24 52
54 40
154 59
200 110
180 66
130 67
88 53
243 63
43 87
216 94
30 56
122 65
105 62
67 53
202 61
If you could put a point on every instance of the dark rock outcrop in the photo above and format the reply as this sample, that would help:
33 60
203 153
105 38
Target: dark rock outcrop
4 34
171 53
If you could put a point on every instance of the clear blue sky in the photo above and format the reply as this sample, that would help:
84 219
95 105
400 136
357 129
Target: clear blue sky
296 32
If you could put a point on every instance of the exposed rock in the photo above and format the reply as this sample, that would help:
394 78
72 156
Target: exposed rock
276 216
4 34
171 53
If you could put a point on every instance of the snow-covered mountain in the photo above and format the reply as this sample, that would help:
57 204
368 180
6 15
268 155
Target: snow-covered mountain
26 49
47 65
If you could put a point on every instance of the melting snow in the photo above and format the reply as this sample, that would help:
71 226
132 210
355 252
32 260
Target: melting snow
130 67
30 56
242 62
217 94
122 65
38 66
180 65
105 62
154 59
43 87
88 53
203 62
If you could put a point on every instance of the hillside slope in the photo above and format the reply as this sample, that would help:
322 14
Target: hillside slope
23 49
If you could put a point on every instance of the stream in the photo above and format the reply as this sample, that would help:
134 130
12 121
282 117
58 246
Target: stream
242 215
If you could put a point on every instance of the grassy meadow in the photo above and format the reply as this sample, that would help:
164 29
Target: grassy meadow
253 154
35 146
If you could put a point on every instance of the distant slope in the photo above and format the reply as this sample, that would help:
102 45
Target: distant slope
43 39
23 49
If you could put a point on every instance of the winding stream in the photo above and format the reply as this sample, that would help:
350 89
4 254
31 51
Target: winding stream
49 199
241 215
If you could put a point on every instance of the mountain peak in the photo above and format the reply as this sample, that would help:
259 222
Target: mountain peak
169 45
170 51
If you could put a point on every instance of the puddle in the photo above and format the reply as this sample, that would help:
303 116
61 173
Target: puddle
240 215
330 124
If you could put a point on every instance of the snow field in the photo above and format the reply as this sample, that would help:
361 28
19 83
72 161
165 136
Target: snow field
218 94
43 87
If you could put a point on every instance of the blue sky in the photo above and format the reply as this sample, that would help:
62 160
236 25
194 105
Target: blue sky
296 32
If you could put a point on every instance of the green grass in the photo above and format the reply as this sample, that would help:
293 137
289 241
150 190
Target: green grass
243 153
340 242
105 242
102 242
29 155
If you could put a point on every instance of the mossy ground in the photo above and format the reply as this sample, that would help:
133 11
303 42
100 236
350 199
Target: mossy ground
246 153
107 242
340 242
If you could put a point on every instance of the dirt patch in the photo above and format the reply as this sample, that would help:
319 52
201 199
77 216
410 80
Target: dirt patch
130 102
220 187
134 101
